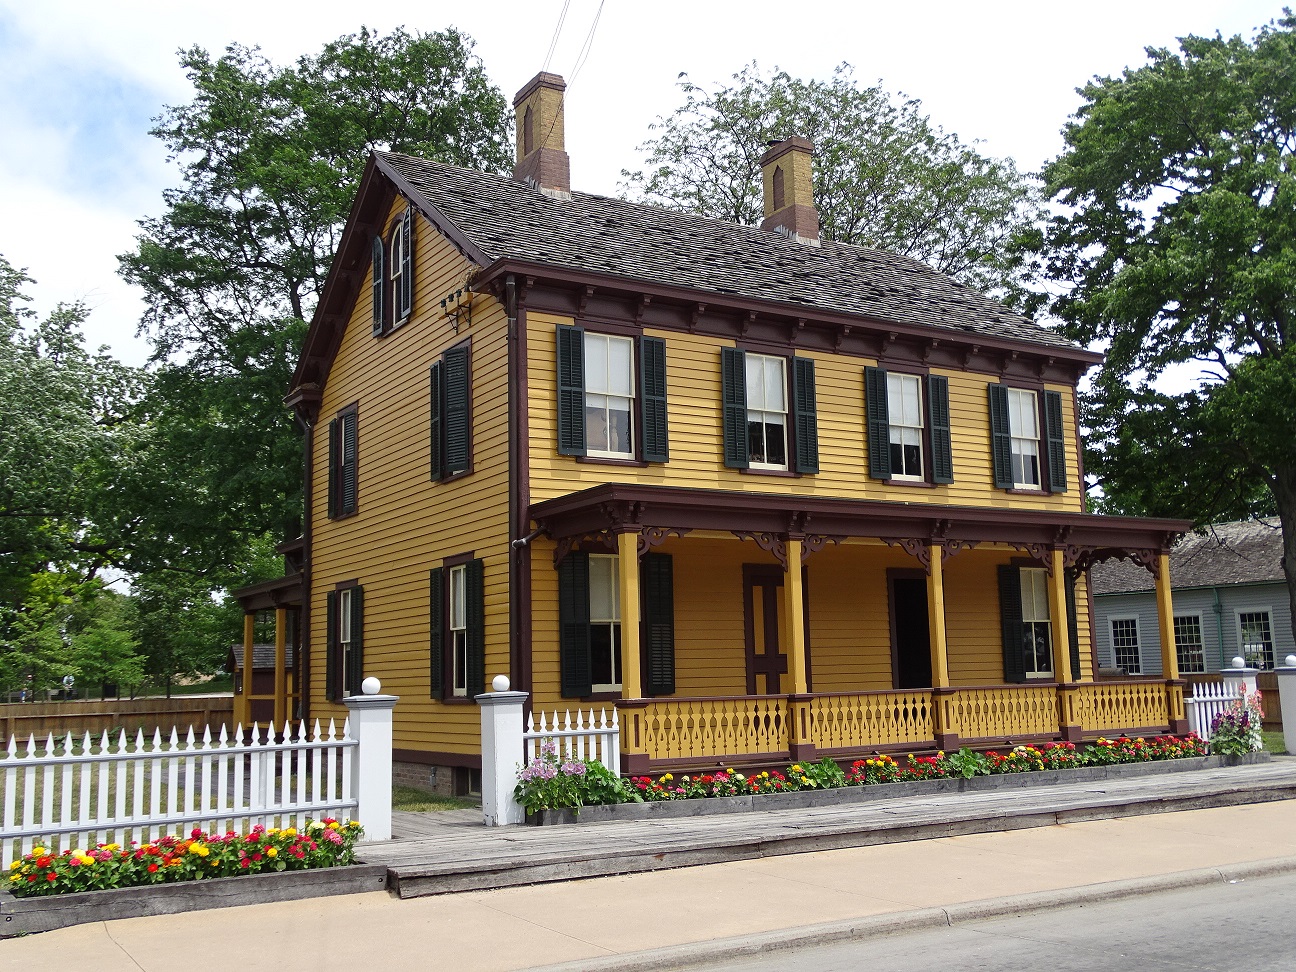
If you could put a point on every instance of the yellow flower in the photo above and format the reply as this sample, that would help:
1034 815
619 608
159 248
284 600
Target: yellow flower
272 852
334 825
795 767
87 859
668 776
353 823
290 831
38 851
15 865
199 849
272 830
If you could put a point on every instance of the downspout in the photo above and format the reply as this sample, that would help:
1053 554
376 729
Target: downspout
302 663
515 552
1219 626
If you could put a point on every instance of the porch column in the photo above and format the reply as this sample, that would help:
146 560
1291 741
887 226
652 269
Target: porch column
936 616
794 612
1169 657
281 668
244 714
1058 612
628 574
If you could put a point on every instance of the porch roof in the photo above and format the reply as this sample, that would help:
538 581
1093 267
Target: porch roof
280 592
616 508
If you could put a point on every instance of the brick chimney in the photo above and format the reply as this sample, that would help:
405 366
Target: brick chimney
541 154
787 174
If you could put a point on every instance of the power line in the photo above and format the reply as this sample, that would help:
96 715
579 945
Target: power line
583 56
557 31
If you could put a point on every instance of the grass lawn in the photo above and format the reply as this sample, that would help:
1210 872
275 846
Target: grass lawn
1273 743
420 801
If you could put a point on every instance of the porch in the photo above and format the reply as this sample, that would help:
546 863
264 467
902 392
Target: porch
752 630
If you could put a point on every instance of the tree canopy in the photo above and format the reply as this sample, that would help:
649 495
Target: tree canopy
885 175
1176 246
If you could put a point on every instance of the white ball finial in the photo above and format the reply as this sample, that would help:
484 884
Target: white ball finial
1239 661
371 686
1290 661
500 683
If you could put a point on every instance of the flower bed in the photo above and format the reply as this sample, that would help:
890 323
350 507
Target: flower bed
324 843
827 774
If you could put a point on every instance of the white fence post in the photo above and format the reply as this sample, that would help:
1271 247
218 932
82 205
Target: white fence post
1239 674
371 767
501 742
1287 697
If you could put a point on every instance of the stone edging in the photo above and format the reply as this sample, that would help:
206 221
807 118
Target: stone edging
21 916
805 799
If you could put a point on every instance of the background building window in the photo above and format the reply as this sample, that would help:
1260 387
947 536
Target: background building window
609 395
905 415
1125 645
604 624
766 412
1037 628
1255 638
1188 644
1023 426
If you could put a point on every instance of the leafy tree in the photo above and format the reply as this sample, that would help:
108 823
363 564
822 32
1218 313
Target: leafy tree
885 176
269 159
1177 245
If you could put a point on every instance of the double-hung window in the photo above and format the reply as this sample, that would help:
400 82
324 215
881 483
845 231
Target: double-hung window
393 275
1028 439
609 396
1037 628
1255 638
1125 645
767 407
343 444
1023 428
605 623
1189 645
458 629
905 411
344 640
344 647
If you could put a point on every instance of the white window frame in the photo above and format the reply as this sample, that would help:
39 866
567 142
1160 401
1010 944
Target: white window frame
344 639
457 618
594 340
395 257
767 417
1024 446
612 623
1267 611
1137 667
901 430
1030 622
1201 642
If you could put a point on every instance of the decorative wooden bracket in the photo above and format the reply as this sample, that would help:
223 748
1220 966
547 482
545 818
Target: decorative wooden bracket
650 537
771 543
951 548
1037 551
843 333
604 540
813 543
698 310
795 330
747 323
586 294
918 549
642 308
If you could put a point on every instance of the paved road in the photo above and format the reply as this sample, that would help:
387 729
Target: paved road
1246 925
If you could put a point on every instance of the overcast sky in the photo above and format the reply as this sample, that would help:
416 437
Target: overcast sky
80 81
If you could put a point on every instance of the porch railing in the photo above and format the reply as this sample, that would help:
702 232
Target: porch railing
668 731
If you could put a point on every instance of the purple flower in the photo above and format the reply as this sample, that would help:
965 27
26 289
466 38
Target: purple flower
573 768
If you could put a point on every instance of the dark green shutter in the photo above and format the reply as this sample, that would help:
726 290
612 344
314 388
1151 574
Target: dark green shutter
436 406
1010 615
458 407
330 648
475 622
938 409
879 423
652 399
378 281
656 581
407 264
733 379
356 674
573 625
571 390
349 445
436 631
1000 436
805 415
1056 441
1073 624
334 467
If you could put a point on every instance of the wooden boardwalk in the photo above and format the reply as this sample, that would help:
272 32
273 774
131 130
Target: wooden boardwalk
452 851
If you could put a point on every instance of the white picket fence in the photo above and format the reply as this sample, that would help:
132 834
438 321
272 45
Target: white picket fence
1208 700
74 794
590 736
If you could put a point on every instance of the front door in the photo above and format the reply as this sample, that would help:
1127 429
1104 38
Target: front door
910 641
763 628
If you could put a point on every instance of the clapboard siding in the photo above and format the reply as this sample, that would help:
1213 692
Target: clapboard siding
406 523
693 386
1220 631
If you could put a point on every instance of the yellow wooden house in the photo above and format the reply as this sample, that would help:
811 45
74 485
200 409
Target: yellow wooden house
770 496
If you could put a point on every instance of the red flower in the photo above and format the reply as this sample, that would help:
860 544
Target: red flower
244 863
152 868
51 877
43 861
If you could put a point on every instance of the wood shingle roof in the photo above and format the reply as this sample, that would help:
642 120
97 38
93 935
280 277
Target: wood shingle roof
1243 552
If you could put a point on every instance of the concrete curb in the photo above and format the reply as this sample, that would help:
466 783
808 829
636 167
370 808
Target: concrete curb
713 951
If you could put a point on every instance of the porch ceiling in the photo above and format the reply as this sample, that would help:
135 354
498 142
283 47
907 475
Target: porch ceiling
616 508
280 592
